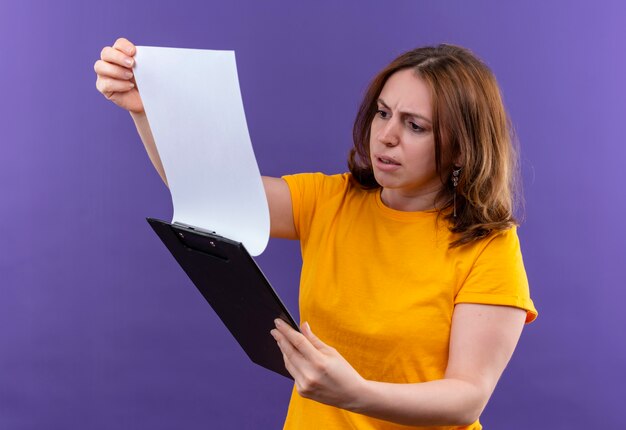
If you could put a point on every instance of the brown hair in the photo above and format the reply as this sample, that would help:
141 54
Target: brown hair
469 124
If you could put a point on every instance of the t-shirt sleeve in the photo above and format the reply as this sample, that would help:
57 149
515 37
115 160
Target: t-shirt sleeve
305 189
498 277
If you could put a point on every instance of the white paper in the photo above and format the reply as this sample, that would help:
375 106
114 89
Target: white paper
193 104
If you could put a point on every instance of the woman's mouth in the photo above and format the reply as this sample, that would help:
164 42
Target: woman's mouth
386 163
386 160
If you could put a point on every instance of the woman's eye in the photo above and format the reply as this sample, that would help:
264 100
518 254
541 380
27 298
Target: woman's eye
381 113
416 127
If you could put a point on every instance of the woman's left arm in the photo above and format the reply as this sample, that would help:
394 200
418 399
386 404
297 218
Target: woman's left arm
482 340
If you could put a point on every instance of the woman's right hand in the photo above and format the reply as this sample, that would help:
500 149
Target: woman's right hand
116 80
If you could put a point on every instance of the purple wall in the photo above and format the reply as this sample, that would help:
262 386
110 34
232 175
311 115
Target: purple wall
100 329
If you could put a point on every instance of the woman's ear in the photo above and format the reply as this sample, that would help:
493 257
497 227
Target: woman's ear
458 161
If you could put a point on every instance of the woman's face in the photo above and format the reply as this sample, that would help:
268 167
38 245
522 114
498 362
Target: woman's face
402 144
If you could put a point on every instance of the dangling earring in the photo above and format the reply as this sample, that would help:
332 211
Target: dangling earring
455 182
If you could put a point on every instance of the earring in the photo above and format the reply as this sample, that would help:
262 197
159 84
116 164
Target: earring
455 182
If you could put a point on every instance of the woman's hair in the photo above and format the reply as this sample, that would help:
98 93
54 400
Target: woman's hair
470 124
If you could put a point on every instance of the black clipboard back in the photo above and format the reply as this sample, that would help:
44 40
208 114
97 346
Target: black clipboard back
230 280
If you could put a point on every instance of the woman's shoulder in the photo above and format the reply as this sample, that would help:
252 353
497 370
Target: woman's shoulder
321 177
321 183
497 247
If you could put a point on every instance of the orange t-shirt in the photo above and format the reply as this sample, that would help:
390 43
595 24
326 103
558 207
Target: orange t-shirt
380 286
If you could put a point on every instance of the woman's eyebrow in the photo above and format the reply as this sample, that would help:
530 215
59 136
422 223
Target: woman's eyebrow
416 115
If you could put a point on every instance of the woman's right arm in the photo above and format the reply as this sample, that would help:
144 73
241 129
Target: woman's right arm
143 128
116 81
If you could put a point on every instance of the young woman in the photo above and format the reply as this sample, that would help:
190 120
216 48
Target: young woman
412 277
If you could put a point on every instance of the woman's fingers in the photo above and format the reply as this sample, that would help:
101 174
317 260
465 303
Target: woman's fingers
289 354
102 68
114 69
115 56
287 347
125 45
108 86
299 342
315 341
115 77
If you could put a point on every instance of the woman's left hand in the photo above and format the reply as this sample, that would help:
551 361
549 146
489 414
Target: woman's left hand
320 372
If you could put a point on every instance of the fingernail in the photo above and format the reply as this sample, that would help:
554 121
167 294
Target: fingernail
128 75
129 50
307 326
128 61
273 333
132 85
278 322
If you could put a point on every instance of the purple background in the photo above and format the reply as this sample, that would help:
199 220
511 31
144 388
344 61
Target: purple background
100 329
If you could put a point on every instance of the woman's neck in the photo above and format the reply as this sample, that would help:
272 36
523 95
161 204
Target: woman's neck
415 201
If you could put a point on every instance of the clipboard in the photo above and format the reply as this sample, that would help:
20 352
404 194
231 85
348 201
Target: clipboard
233 284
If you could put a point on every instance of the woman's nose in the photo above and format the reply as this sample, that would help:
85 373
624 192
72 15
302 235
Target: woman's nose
388 134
